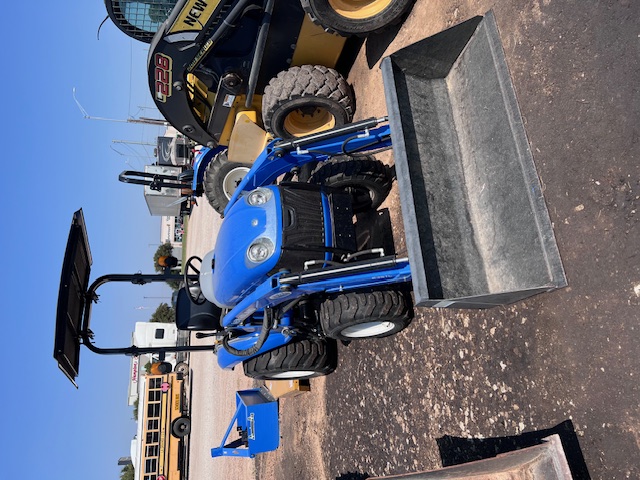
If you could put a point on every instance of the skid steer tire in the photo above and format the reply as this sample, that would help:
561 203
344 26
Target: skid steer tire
306 99
365 314
367 180
221 179
356 17
306 358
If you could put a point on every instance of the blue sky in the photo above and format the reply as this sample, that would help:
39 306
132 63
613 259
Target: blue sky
68 162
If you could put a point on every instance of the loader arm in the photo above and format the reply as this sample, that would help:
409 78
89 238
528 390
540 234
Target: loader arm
285 287
280 157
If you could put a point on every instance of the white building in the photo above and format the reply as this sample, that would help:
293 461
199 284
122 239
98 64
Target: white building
148 335
172 231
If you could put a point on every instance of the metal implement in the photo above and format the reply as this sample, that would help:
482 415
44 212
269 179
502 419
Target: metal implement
256 421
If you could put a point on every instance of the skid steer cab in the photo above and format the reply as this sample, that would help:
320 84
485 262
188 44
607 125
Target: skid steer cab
277 60
214 65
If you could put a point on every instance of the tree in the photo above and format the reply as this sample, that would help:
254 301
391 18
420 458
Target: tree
163 250
164 314
127 472
136 404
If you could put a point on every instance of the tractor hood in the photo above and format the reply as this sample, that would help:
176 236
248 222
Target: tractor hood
248 246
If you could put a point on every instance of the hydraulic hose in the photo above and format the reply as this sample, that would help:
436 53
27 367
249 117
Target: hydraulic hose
267 323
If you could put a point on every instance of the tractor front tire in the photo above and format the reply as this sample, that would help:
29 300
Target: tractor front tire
366 179
366 314
221 179
306 358
356 17
306 99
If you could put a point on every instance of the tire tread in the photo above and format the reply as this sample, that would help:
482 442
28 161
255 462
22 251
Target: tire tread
344 309
319 355
305 81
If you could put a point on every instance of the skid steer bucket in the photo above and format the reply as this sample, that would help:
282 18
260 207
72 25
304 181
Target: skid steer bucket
477 229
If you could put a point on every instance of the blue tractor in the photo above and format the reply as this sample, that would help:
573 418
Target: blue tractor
292 273
287 278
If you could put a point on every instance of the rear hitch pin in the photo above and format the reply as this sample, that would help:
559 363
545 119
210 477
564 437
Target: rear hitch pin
299 151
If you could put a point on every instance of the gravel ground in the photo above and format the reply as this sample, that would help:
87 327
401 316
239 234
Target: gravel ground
413 401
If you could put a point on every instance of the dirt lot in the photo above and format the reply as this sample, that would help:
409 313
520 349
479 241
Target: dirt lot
408 402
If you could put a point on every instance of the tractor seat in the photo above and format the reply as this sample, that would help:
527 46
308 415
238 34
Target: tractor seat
190 316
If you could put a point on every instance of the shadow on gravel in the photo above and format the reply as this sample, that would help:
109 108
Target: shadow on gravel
353 476
377 43
457 450
373 230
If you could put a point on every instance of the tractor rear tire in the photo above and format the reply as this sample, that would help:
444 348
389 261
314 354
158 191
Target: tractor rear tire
221 179
306 358
306 99
367 180
366 314
356 17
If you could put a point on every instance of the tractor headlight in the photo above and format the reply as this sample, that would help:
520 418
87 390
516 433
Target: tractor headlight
260 250
259 196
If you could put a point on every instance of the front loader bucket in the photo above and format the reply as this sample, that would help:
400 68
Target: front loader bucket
477 229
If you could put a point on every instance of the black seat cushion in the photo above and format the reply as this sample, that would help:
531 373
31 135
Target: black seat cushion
190 316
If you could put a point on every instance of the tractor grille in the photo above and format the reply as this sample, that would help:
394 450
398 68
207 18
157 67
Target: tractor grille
303 232
303 235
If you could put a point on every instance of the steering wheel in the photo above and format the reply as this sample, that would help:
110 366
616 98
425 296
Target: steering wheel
190 270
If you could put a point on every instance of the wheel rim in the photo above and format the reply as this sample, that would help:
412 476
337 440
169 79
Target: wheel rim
368 329
304 121
232 180
361 197
359 9
292 374
182 368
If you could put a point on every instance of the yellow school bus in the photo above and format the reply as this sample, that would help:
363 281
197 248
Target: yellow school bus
163 428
